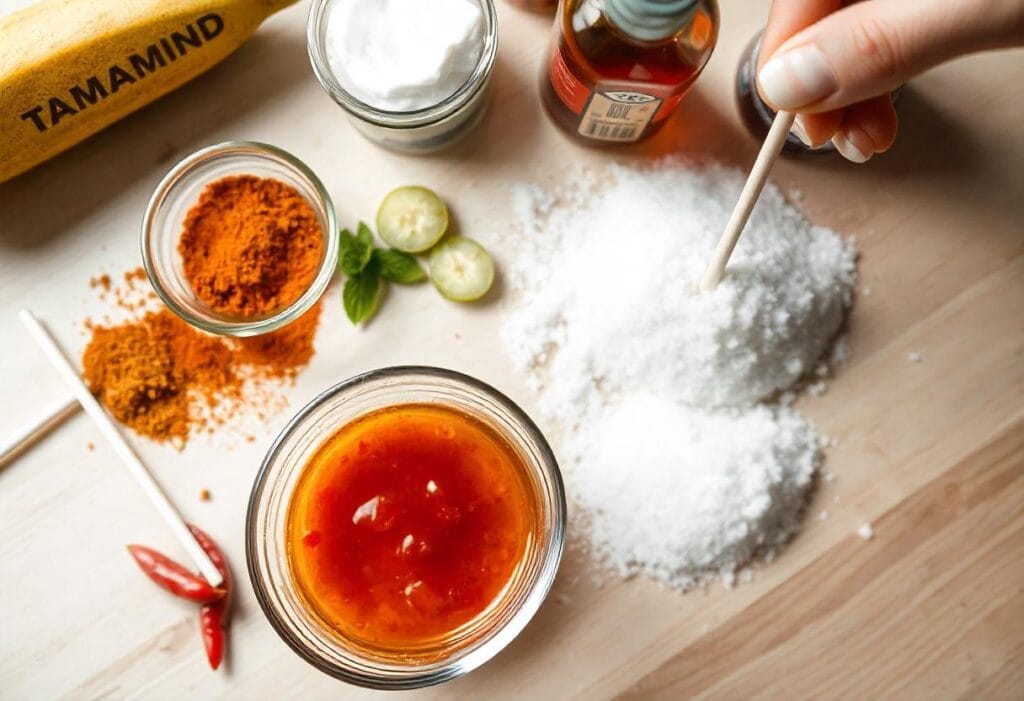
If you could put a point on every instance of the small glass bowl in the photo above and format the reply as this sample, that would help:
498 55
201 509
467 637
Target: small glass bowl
419 131
180 190
266 522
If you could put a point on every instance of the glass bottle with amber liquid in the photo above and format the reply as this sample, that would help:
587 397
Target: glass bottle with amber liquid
619 68
547 6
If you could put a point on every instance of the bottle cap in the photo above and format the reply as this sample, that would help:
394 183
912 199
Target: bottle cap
649 20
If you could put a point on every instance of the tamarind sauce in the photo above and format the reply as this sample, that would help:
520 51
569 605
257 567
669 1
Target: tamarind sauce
407 523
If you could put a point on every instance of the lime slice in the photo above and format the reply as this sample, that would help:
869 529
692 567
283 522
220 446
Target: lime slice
412 219
461 269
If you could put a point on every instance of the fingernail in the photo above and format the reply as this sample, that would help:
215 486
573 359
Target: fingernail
845 142
800 132
797 78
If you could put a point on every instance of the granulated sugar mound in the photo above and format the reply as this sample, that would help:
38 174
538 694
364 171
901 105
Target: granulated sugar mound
610 279
679 468
685 494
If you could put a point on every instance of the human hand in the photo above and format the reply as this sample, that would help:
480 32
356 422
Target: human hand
836 63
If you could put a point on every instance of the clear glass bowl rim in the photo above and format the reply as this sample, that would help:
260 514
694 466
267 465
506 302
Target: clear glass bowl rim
500 638
200 159
401 120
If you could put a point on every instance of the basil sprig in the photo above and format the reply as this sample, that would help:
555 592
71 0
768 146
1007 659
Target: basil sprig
367 267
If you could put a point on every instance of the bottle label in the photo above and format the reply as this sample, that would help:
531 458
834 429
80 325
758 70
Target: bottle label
619 115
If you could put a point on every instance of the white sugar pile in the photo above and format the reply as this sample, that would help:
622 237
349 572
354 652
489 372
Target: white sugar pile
723 484
610 280
678 470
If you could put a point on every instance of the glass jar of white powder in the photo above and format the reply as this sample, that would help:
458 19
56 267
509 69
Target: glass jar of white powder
411 75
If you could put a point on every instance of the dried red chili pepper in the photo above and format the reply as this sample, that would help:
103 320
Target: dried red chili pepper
173 577
213 617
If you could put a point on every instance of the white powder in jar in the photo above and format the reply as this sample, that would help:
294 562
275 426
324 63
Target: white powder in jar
679 467
404 55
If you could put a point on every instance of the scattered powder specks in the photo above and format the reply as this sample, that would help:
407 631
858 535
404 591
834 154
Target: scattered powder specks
681 471
840 352
823 516
915 357
866 531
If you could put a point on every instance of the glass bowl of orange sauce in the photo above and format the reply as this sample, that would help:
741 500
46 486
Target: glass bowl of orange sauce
404 527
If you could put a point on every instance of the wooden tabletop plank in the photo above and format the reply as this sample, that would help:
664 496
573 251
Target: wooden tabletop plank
941 561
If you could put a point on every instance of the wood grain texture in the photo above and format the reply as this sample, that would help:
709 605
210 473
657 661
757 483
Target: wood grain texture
930 453
923 588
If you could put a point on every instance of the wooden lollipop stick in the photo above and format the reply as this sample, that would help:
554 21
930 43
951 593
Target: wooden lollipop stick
31 433
770 151
109 429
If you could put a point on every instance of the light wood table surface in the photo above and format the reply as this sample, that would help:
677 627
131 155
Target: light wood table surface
930 453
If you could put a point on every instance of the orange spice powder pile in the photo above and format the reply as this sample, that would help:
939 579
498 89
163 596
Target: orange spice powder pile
282 353
250 246
148 372
165 380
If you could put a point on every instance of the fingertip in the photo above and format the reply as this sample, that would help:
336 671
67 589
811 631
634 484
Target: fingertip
876 123
867 128
853 144
793 78
800 132
820 127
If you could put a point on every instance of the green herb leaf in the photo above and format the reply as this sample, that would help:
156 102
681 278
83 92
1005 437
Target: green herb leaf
365 236
355 251
346 242
362 295
398 266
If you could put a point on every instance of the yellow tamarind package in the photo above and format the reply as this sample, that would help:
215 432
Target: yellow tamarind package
69 68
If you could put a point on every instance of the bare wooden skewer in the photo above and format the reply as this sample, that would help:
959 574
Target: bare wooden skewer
106 426
33 431
770 151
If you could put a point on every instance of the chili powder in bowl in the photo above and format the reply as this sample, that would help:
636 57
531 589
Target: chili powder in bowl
405 527
238 239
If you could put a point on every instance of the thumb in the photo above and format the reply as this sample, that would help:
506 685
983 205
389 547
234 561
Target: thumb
869 48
